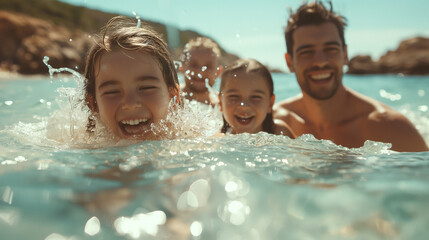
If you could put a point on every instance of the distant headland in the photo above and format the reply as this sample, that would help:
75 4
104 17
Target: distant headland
410 58
63 32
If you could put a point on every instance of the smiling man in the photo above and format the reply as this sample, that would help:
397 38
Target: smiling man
316 53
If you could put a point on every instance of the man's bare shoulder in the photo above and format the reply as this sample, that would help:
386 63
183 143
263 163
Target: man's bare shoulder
375 111
384 124
281 128
283 108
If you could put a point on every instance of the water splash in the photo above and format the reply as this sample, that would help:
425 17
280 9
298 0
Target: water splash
138 19
392 97
178 65
193 119
53 70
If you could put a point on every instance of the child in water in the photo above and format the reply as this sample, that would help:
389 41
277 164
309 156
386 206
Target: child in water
130 80
247 98
200 61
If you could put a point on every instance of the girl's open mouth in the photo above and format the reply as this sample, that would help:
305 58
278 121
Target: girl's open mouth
244 120
135 127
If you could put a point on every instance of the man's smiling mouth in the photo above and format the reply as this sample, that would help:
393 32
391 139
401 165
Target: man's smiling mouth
321 76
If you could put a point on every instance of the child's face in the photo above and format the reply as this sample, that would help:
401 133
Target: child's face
202 64
245 101
131 93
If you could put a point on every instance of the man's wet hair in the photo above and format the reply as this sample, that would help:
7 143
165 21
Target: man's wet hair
314 13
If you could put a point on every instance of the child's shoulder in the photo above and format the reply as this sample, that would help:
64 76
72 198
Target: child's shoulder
281 128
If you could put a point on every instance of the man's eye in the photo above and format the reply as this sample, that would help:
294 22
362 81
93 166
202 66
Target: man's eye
304 53
332 49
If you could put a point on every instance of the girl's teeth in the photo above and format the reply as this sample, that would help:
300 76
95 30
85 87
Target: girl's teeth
134 122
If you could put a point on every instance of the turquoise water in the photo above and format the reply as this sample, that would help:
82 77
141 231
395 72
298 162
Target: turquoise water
53 186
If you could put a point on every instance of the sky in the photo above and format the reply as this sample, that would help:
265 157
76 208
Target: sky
255 28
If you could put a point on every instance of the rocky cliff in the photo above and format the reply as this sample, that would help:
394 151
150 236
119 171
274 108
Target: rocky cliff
61 31
26 40
410 58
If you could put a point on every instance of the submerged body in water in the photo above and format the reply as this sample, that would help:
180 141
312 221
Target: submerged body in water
252 186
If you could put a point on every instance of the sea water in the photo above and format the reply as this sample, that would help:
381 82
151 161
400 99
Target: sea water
56 185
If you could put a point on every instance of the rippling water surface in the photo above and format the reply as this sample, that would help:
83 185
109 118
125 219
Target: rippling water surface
56 185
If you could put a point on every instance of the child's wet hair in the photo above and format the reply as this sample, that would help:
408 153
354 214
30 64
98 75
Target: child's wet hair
122 33
254 67
200 42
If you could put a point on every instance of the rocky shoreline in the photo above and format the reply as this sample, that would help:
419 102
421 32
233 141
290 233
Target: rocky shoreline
25 41
410 58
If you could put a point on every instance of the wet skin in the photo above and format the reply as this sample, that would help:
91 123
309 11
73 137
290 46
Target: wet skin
131 93
245 101
202 64
327 109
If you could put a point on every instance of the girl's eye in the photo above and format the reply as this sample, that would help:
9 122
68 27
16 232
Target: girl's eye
147 88
233 98
112 92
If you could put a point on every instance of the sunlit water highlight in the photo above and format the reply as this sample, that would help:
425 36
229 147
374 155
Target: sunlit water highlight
55 183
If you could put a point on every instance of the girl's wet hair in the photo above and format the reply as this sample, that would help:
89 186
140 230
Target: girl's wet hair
122 33
254 67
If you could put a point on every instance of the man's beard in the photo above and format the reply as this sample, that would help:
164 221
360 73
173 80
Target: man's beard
325 94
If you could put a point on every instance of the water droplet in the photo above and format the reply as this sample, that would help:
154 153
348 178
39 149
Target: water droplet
92 226
7 195
196 229
200 76
231 186
423 108
177 64
138 19
204 68
71 40
8 102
